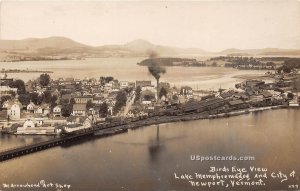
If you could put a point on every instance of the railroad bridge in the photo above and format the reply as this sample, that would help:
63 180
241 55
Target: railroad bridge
28 149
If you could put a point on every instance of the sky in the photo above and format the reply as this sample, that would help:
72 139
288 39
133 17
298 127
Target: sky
209 25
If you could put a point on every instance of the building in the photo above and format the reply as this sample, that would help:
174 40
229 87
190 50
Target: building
79 109
35 126
186 91
83 99
14 111
124 84
98 100
142 83
38 109
57 111
30 107
6 90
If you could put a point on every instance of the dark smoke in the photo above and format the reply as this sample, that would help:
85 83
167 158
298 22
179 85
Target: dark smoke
154 69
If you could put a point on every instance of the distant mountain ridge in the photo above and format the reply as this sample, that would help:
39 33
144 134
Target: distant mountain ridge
65 47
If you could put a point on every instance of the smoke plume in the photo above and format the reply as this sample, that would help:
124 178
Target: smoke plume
155 70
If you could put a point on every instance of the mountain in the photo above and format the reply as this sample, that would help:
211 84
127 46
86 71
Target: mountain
260 52
65 48
36 44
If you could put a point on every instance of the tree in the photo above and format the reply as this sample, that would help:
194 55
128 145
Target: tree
40 99
163 92
34 97
121 100
66 110
72 101
175 97
19 84
44 79
47 97
149 97
104 80
214 64
4 99
24 99
103 111
138 91
290 95
53 101
128 90
89 105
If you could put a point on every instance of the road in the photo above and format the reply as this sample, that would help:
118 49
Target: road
129 104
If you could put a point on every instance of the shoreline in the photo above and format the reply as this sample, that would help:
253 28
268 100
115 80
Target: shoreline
197 116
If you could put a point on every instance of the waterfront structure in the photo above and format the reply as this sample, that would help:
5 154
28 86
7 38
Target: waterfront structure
35 126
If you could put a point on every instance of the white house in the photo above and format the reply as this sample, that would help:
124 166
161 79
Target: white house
30 107
57 111
29 123
38 109
14 111
46 109
124 84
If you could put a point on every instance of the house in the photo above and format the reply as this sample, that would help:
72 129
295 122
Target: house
108 87
143 83
86 121
6 90
71 120
39 121
98 100
30 107
14 111
38 109
226 95
83 99
46 109
186 91
29 123
124 84
150 88
267 95
79 109
57 111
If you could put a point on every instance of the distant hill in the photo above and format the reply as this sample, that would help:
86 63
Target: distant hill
258 52
36 44
61 47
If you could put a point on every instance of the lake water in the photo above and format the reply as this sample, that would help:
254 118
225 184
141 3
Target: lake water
145 160
127 69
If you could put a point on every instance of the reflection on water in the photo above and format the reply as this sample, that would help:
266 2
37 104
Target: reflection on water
146 158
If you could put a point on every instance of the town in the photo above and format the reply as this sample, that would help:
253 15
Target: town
54 106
